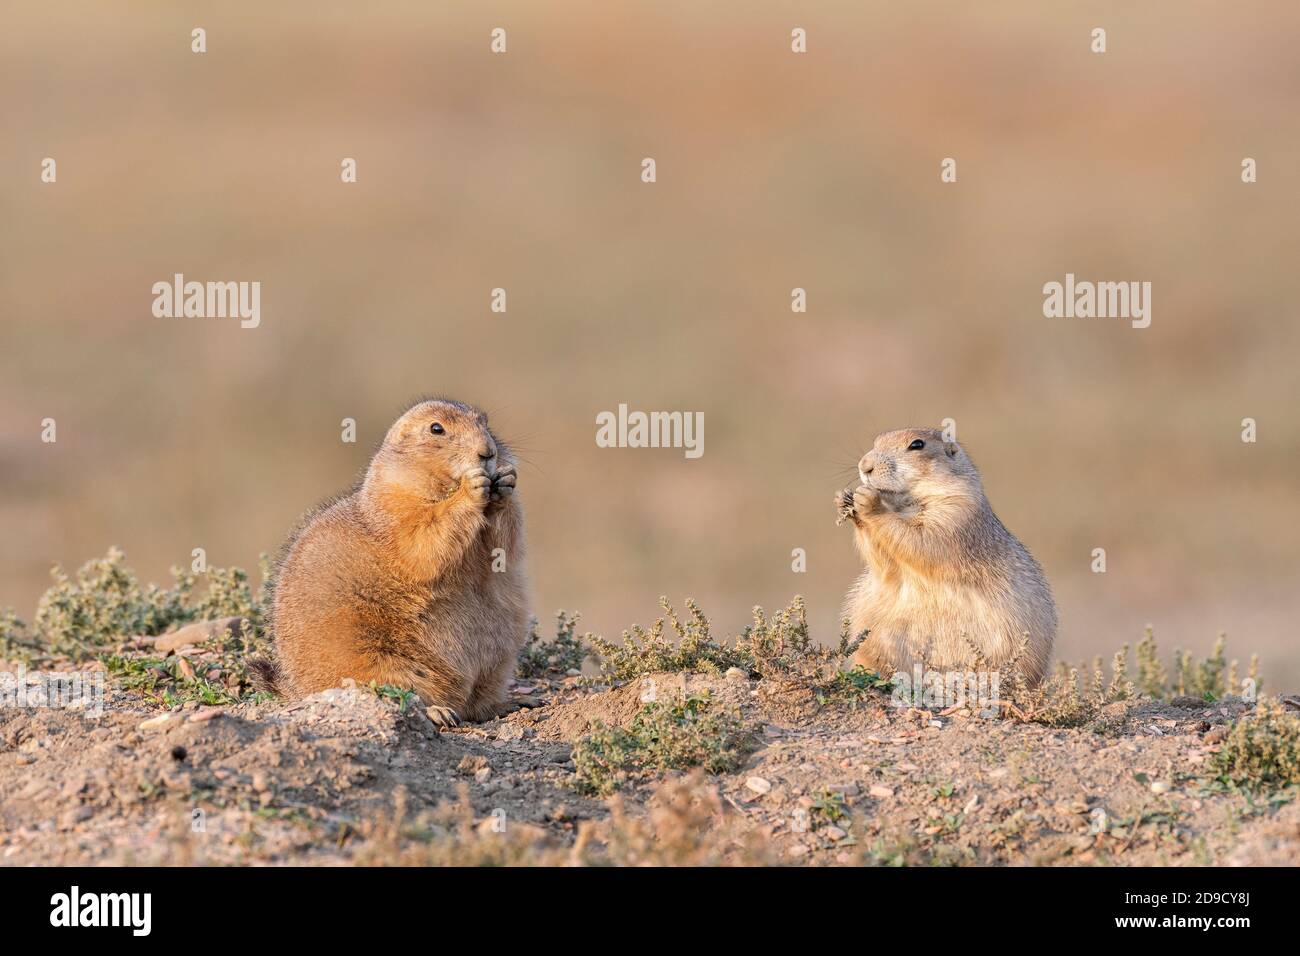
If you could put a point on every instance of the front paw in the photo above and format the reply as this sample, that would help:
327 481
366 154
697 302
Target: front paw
866 502
477 485
503 486
843 506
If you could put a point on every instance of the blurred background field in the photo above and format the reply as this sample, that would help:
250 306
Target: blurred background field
774 171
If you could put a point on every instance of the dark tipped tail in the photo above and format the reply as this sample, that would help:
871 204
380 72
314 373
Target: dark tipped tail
265 674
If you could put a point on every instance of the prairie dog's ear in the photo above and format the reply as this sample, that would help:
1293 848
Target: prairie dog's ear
950 449
401 429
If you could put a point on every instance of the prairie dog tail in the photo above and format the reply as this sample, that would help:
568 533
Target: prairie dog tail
266 674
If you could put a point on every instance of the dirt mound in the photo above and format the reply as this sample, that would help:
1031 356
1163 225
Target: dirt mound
575 713
348 776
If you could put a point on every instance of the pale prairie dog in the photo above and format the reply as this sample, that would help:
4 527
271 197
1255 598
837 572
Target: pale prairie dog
401 582
943 575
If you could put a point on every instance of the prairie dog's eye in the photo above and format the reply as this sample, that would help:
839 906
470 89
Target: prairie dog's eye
436 428
916 445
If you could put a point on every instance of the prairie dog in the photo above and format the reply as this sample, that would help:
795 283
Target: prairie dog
400 581
942 573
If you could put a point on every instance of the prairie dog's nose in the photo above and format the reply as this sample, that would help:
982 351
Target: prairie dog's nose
487 450
866 465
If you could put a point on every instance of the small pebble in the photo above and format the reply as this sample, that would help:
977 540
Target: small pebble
80 815
472 764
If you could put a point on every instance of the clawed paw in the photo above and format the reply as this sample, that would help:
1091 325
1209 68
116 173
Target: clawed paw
478 484
503 483
856 503
843 506
442 717
866 501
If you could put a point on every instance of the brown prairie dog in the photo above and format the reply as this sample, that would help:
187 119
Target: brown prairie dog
942 574
415 578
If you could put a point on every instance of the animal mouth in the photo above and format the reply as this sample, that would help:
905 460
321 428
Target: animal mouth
877 486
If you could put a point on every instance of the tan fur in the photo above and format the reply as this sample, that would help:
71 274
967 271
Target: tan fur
942 572
393 582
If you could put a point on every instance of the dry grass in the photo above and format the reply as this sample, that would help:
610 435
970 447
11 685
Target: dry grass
1261 753
562 654
685 823
692 731
779 646
94 611
1074 695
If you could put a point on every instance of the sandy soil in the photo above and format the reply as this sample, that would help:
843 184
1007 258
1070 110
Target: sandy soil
346 776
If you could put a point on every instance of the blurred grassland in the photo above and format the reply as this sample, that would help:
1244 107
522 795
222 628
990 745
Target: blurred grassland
775 171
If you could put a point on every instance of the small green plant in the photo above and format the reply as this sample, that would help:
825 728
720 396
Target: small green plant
214 673
693 732
853 683
143 675
1061 700
405 697
782 648
650 651
16 641
1074 696
1067 699
1213 678
163 681
86 614
228 594
829 807
103 603
779 646
1261 753
1151 673
1205 679
234 650
563 653
199 690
